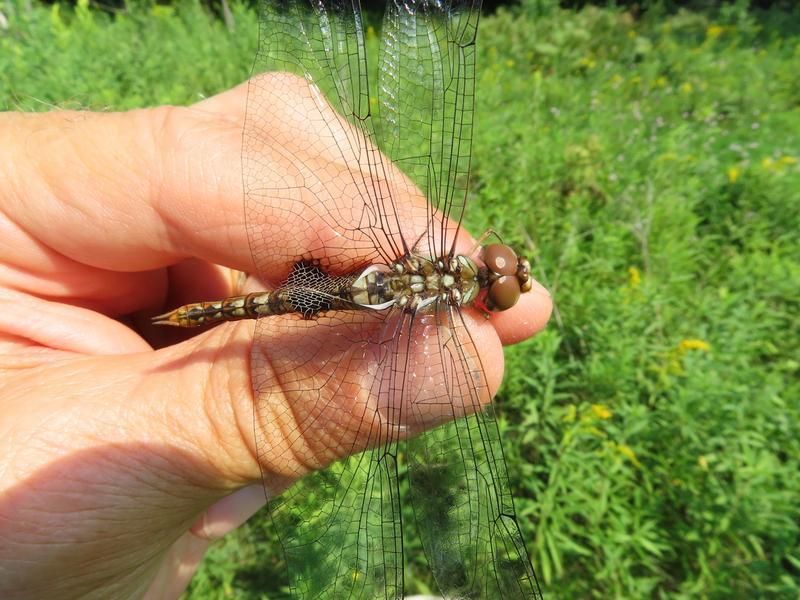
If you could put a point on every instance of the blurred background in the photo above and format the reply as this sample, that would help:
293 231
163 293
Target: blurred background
646 156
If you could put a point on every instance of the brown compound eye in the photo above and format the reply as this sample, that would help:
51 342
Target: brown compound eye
503 293
500 259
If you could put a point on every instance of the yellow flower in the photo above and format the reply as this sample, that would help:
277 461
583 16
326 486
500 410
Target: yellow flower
714 31
616 79
601 411
661 82
687 87
636 80
788 160
634 277
509 63
694 345
703 462
768 163
733 174
628 453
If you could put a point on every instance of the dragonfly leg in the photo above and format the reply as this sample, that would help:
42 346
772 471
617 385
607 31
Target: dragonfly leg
486 234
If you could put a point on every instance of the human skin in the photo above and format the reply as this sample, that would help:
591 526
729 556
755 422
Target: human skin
122 455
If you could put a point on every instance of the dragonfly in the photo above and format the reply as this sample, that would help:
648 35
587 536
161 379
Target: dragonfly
364 337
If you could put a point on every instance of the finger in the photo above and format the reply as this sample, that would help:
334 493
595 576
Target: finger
135 445
79 198
526 318
177 567
138 190
61 327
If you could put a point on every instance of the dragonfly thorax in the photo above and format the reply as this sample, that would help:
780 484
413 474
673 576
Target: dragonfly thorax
417 282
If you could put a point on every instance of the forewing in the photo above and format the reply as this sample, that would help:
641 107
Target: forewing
310 159
458 478
426 92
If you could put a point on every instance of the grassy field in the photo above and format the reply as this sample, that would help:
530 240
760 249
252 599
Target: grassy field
651 167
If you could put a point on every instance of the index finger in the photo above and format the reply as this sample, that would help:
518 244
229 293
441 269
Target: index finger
317 189
143 189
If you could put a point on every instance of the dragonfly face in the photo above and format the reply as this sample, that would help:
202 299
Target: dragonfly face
508 276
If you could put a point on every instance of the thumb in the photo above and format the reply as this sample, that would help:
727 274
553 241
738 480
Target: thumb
121 455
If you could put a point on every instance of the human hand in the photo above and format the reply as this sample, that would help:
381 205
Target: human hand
121 462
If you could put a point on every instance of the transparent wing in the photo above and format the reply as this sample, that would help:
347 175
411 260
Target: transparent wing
324 389
426 91
346 382
458 478
310 158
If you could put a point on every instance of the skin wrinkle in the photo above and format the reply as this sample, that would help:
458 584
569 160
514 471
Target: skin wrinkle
290 445
225 411
271 467
159 191
45 165
194 446
192 172
249 449
325 437
223 415
28 239
11 230
157 181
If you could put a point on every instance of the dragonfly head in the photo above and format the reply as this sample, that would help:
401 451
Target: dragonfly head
505 276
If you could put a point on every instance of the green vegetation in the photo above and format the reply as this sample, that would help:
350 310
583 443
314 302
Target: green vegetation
651 167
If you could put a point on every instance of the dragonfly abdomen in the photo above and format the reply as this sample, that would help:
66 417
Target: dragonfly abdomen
249 306
308 291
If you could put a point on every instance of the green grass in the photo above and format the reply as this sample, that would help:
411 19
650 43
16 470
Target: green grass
651 168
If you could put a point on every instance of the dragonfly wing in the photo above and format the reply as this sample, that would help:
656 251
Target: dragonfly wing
322 389
426 93
459 481
310 157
